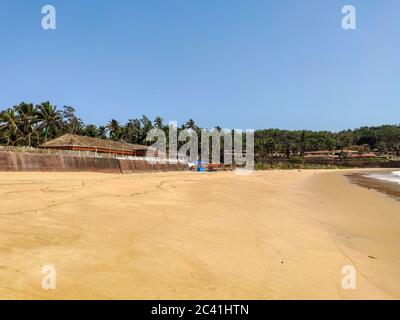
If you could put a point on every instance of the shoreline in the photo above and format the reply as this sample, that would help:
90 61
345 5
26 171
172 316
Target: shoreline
391 189
184 235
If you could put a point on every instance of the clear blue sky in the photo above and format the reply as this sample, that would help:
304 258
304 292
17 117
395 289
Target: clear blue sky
234 63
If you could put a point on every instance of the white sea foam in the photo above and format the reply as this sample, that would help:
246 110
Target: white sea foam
391 177
396 173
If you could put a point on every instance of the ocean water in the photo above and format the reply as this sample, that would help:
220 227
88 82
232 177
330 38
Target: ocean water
390 177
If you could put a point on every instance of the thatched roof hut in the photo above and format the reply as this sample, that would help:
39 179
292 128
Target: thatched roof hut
82 143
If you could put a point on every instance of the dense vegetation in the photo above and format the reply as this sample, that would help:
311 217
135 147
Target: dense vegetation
384 139
31 125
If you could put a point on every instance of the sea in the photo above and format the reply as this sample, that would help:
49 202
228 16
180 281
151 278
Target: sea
393 177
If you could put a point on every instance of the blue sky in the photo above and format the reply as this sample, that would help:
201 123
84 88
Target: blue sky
235 63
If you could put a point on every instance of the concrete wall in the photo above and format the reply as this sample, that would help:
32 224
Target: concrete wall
10 161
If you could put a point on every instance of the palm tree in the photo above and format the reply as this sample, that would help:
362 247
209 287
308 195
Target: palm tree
4 129
190 124
115 129
146 127
158 122
102 132
91 131
27 118
49 117
71 123
9 126
133 130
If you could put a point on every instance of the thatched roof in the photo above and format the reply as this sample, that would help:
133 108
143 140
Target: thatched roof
73 140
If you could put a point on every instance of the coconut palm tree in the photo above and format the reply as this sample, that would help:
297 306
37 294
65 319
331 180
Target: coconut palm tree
49 117
132 130
190 124
4 129
70 122
102 132
27 120
146 127
91 131
158 122
9 126
114 129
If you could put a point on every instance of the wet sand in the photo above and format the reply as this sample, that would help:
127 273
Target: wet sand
387 187
271 235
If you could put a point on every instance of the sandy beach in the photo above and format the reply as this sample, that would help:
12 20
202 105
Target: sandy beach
270 235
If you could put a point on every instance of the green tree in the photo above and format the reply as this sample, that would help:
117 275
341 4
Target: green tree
27 121
115 130
158 123
49 118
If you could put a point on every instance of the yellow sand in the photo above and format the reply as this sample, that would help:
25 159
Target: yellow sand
271 235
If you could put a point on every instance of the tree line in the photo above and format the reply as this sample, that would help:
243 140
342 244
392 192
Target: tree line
383 139
31 125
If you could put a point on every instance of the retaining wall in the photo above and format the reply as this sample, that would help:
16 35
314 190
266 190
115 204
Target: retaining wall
128 166
12 161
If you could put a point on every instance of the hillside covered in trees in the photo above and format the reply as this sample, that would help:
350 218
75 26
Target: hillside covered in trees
31 125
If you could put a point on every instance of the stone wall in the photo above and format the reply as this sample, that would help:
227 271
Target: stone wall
128 166
13 161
